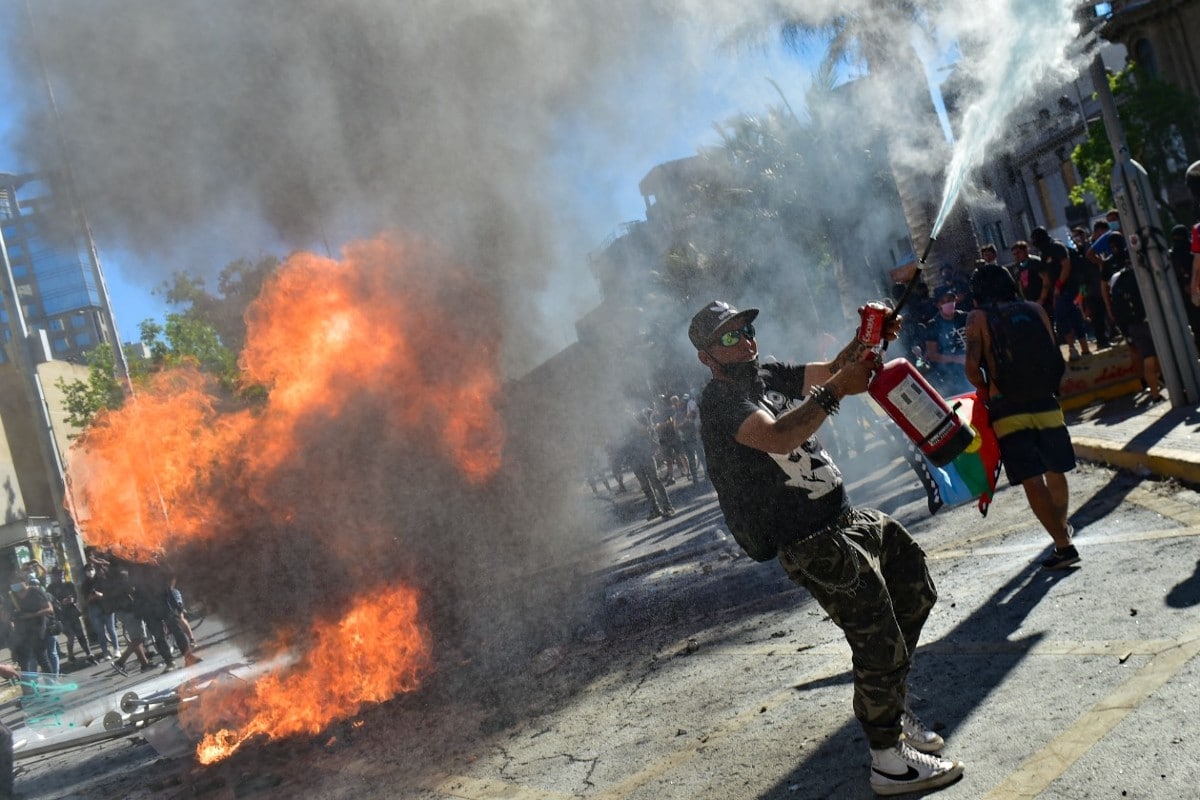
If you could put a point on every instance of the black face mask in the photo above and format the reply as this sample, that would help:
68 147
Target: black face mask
743 374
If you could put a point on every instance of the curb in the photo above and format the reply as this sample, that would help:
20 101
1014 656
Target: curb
1075 402
1162 461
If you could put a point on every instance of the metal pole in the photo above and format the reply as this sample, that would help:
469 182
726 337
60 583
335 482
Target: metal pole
1147 243
77 206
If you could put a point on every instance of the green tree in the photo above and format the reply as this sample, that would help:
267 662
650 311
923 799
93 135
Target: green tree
186 339
1161 124
238 284
208 333
84 399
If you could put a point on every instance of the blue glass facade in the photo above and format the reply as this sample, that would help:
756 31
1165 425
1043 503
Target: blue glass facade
57 286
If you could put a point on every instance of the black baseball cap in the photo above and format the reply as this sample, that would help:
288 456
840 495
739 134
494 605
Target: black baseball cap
704 325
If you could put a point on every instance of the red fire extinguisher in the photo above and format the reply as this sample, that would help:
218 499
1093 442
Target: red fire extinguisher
920 412
908 398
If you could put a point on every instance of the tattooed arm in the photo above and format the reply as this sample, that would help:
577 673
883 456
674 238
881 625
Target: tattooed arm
848 373
789 430
977 340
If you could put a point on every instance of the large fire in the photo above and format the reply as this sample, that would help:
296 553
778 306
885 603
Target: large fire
381 388
370 655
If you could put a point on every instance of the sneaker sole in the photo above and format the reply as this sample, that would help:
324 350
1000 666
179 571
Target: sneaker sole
924 747
1069 562
932 782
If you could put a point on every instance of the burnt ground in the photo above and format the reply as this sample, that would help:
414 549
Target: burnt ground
478 692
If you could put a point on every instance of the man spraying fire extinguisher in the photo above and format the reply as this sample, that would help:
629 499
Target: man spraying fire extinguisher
782 496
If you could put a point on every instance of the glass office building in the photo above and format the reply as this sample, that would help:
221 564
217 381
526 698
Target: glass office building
56 281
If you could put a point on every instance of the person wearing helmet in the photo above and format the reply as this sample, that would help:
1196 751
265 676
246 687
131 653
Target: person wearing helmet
783 497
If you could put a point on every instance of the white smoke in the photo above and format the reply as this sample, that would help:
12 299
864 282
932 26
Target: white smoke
1012 53
232 128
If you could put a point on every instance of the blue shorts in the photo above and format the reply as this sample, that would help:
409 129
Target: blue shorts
1067 317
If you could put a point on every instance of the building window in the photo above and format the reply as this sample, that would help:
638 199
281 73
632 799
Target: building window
78 320
56 325
61 345
83 339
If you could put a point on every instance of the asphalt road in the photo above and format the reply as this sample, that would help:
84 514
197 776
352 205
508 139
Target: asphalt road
696 673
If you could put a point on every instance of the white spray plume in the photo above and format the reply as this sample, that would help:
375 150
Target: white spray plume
1015 50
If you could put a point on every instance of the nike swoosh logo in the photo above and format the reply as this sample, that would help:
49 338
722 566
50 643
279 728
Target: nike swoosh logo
912 774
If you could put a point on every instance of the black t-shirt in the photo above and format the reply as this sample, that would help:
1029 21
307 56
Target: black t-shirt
1053 256
34 599
781 496
64 593
1029 275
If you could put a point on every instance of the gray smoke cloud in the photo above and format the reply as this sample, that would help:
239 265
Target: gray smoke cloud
231 127
293 124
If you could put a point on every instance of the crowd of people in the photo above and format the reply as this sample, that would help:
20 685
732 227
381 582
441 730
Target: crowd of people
120 610
1086 286
659 446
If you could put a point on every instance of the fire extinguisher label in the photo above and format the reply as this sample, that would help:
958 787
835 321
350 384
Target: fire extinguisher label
921 410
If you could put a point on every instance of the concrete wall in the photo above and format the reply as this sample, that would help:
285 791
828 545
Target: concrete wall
25 489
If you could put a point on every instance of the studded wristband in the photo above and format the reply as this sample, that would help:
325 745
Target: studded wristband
824 397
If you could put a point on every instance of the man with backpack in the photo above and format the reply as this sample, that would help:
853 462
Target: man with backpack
1016 366
1089 266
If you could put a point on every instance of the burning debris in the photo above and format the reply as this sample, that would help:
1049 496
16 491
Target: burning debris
343 517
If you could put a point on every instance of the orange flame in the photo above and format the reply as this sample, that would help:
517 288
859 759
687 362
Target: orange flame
376 651
388 357
322 333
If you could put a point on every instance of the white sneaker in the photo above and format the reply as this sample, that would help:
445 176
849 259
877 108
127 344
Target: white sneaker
901 769
918 736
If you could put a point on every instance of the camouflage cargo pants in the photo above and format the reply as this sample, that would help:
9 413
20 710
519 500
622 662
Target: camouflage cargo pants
870 577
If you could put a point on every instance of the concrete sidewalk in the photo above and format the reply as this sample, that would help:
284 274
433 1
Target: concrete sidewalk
1148 439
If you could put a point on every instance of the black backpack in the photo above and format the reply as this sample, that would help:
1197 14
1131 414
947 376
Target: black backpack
1126 298
1029 365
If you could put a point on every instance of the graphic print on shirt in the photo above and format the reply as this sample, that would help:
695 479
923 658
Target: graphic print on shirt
808 467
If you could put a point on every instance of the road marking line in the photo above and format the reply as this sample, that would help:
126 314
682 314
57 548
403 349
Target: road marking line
682 756
1120 648
1174 506
1045 766
1041 544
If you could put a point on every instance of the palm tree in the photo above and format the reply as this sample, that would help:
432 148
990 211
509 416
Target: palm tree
877 34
